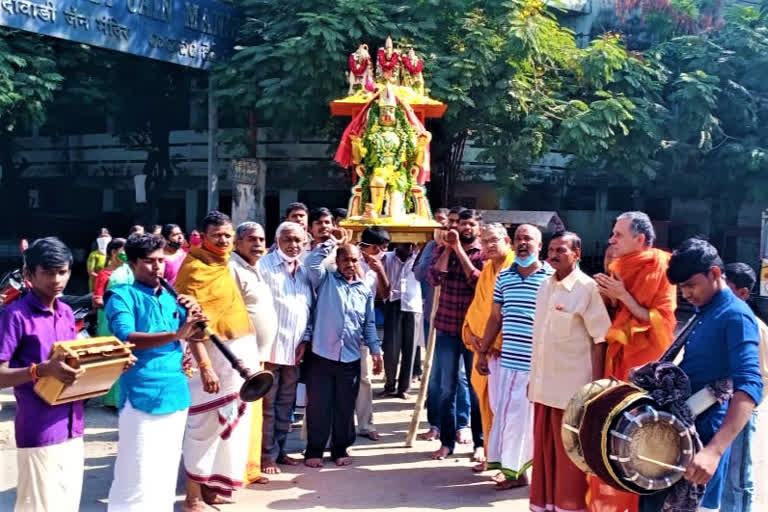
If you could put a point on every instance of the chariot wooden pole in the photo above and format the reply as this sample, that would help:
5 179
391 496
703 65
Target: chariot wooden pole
426 371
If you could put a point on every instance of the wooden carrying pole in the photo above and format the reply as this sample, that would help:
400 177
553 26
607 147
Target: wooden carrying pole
426 371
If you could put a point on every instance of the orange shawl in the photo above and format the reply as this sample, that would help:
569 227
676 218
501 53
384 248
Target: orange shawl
206 277
480 308
632 342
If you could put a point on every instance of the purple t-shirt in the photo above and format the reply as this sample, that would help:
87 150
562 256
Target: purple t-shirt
27 333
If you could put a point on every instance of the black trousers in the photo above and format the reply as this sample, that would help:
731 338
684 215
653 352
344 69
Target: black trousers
398 347
331 393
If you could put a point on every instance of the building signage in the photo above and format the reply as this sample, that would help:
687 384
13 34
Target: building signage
191 33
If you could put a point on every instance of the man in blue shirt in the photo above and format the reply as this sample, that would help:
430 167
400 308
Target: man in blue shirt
154 395
723 344
344 320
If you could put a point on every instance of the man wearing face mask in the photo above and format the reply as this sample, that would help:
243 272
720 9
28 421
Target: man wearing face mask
219 423
174 253
514 306
292 296
455 267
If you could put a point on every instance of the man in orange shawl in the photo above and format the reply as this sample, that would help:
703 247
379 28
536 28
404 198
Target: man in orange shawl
497 248
216 442
643 325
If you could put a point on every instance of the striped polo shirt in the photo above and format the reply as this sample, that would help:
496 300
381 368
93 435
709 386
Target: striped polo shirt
517 297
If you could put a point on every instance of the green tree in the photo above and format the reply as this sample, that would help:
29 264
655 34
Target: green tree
513 77
28 79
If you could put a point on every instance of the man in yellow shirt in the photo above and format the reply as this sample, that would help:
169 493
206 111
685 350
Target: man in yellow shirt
498 249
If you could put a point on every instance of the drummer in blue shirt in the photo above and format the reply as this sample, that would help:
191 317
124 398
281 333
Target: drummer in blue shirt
723 344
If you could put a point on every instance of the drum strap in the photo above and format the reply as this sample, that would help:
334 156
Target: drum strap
680 340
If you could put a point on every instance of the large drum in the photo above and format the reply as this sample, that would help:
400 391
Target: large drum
615 431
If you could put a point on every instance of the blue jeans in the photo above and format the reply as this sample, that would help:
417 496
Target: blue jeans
452 354
739 484
461 402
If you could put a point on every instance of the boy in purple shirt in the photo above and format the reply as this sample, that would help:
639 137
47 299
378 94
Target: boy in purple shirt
49 438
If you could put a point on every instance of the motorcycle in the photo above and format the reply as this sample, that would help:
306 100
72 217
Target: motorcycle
13 287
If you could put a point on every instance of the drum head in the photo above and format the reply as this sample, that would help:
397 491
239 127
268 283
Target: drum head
573 415
650 448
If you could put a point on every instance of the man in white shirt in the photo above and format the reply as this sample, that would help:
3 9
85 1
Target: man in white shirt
293 297
568 352
400 307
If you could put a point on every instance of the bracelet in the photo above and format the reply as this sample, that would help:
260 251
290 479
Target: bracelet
205 363
33 372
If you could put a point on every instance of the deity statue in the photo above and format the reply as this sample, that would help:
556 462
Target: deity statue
412 71
360 68
388 64
388 149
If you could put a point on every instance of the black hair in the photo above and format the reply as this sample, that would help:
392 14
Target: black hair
573 237
295 206
115 245
694 256
135 228
318 213
741 275
339 213
443 211
470 214
168 229
214 218
456 210
48 253
141 246
375 235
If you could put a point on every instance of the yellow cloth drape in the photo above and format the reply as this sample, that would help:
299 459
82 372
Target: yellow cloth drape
207 277
474 322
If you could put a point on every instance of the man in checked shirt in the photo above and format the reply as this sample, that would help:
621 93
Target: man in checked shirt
455 267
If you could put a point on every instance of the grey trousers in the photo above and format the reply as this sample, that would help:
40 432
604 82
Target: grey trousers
277 406
364 402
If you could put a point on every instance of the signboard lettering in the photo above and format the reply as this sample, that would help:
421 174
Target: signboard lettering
187 32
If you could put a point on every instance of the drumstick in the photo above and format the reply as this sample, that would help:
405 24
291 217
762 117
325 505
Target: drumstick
659 463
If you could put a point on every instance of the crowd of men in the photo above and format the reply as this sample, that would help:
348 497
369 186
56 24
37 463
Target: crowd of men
515 335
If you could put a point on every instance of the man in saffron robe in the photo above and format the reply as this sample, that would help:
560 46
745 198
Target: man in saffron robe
497 248
219 424
643 325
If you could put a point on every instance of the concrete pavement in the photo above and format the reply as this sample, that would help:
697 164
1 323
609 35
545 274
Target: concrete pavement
384 476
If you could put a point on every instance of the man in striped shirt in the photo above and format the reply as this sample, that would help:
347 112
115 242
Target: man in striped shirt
514 305
293 296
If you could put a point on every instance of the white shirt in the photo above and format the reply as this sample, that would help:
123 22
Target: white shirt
258 302
570 317
293 297
403 284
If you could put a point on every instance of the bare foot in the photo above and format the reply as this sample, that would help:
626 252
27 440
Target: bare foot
464 436
313 463
262 480
373 435
498 477
479 468
288 461
344 461
211 497
512 484
441 453
429 435
479 455
270 468
196 505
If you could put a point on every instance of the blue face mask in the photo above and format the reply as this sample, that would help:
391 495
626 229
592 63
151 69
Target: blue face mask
526 262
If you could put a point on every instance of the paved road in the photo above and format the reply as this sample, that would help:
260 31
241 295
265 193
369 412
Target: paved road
385 475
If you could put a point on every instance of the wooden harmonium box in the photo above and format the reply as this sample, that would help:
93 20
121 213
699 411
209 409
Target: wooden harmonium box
103 359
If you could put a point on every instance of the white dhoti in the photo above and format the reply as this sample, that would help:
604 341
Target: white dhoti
218 426
148 456
50 477
510 447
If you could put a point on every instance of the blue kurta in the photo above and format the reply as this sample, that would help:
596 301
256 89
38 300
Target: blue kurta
723 344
